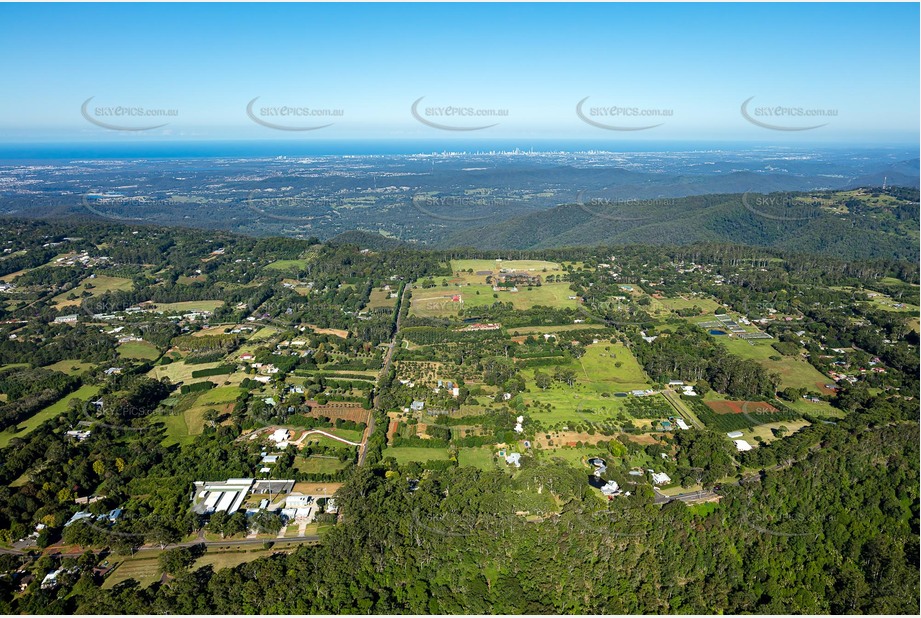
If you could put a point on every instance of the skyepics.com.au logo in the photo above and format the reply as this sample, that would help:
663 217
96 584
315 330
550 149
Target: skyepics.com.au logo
460 208
779 207
621 118
785 117
106 204
620 208
125 117
456 117
271 204
292 117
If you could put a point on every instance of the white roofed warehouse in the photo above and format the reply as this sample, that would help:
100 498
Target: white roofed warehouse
212 496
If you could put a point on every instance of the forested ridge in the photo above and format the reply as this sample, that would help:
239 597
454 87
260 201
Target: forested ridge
791 221
836 532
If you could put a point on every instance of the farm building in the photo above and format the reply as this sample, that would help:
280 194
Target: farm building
742 445
280 435
210 497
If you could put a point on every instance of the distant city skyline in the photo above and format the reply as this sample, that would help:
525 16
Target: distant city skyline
449 74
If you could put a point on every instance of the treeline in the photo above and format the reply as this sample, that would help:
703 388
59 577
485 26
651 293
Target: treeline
691 355
832 533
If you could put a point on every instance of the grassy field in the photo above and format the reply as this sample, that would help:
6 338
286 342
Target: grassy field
144 568
794 371
188 420
319 465
28 426
381 299
321 440
437 301
189 305
576 456
70 367
288 265
225 559
596 375
708 305
100 285
177 431
12 366
703 509
536 267
766 433
598 368
481 457
143 350
180 372
221 394
572 404
264 333
406 454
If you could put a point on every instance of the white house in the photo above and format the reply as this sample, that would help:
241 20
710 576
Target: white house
610 488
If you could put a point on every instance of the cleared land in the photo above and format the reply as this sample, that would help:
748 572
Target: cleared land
288 265
381 299
439 301
319 465
481 458
28 426
70 367
189 305
143 350
708 305
406 454
99 285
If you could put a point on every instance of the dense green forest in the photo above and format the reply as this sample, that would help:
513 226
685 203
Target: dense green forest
794 222
835 531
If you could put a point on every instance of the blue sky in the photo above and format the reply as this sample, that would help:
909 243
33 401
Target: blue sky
696 63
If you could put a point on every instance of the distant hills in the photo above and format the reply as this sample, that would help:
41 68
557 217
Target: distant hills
846 224
505 201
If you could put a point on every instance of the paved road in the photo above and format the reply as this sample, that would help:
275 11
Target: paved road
310 538
702 495
385 369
